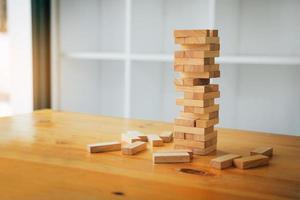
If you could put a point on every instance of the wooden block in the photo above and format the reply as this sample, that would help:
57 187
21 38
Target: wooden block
209 109
199 88
223 162
190 152
166 136
194 61
178 68
194 130
251 161
181 121
197 144
196 103
134 148
201 40
104 146
198 110
142 136
189 109
200 116
266 151
195 54
200 47
171 157
191 81
213 33
178 135
197 40
189 33
198 151
200 137
155 140
212 74
201 96
206 123
130 138
200 68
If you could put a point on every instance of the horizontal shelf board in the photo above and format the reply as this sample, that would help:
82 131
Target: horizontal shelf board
95 55
268 60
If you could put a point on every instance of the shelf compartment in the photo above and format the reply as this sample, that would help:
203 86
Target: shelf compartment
153 22
96 25
92 87
259 27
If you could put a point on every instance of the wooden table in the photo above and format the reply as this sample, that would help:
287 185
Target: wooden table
43 156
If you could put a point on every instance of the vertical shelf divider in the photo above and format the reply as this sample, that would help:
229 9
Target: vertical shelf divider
212 13
127 71
55 56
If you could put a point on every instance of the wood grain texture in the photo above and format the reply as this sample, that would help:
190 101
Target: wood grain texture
43 156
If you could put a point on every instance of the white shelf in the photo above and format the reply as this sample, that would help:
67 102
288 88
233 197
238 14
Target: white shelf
268 60
95 56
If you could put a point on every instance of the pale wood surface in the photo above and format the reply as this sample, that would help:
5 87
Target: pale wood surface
43 156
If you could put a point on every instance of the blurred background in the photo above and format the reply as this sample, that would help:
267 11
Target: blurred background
114 57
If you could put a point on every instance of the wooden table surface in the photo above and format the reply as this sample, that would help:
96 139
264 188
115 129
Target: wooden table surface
43 156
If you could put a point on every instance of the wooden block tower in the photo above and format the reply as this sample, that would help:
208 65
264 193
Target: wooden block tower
195 61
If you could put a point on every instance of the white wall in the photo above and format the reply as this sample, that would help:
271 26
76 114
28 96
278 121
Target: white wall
16 58
254 97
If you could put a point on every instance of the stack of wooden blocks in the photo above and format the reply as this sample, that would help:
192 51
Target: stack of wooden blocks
195 61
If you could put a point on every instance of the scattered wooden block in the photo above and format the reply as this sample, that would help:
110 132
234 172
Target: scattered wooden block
130 138
194 130
191 81
142 136
171 157
211 74
266 151
178 135
199 88
199 116
190 152
181 121
197 151
166 136
223 162
196 103
251 161
134 148
201 47
198 144
206 123
201 96
155 140
199 137
194 61
196 68
195 54
104 146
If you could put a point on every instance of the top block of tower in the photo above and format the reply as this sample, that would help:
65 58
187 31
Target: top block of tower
196 33
190 37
